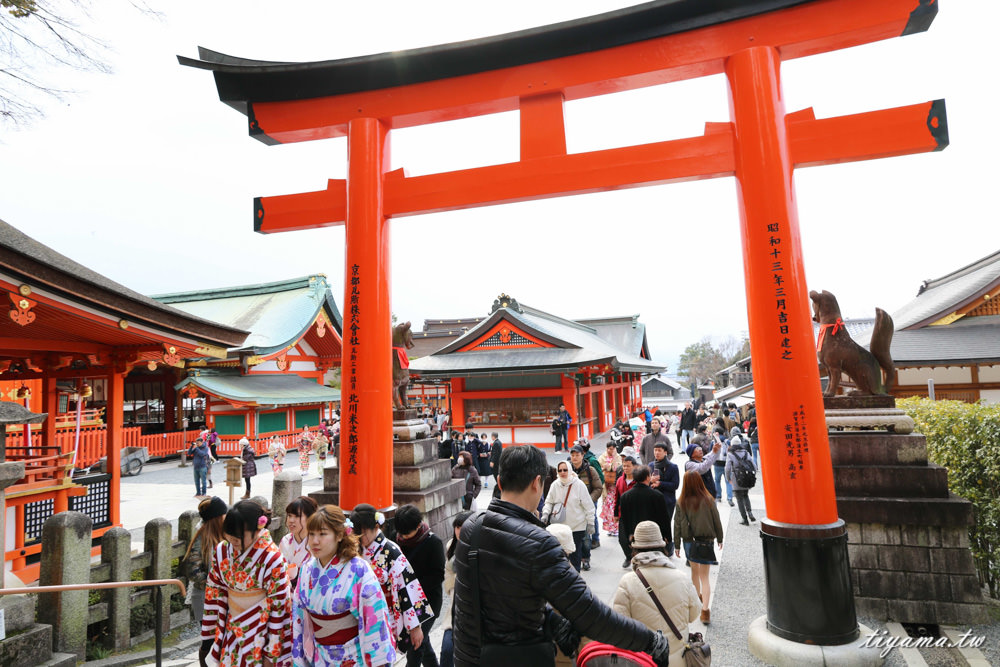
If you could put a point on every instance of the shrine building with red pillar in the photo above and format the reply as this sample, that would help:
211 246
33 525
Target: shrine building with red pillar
510 372
274 383
70 341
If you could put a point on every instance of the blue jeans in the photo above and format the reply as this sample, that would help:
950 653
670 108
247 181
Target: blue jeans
447 649
755 446
685 438
596 539
720 473
561 441
201 481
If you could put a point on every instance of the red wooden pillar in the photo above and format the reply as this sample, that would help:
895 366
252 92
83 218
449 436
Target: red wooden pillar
114 440
457 416
569 399
602 409
588 406
366 472
805 543
50 405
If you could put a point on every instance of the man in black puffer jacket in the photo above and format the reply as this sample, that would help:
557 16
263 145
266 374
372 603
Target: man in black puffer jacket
522 571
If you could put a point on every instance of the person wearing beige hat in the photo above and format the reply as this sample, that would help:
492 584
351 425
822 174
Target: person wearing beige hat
673 589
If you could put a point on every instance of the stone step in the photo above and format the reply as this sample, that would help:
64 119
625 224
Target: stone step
930 481
877 448
950 511
414 452
423 476
28 648
19 612
428 472
432 497
64 660
439 519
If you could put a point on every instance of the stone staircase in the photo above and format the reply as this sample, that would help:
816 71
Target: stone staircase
908 536
418 478
28 644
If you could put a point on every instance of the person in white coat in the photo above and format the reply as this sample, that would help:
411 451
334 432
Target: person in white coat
671 587
569 492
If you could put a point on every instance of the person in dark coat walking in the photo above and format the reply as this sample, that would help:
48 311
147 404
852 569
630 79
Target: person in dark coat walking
514 586
425 551
465 470
249 464
496 448
201 459
483 459
665 479
642 503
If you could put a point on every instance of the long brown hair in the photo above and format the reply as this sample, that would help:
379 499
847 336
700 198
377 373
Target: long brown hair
332 518
694 493
211 534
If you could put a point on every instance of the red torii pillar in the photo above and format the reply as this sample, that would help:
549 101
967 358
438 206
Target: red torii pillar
808 578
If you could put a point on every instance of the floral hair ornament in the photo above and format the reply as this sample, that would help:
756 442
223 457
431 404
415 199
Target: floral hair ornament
262 521
379 518
348 526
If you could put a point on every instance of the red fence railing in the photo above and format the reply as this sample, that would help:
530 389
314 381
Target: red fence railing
93 443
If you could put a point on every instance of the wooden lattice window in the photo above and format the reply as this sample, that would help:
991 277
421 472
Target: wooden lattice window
988 307
507 338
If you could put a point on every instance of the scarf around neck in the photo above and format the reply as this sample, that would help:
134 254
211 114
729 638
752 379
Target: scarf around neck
422 532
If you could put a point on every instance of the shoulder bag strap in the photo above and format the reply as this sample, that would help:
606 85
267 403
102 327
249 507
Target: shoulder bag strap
566 499
659 607
477 617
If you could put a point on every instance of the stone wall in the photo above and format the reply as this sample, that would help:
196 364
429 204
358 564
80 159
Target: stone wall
908 539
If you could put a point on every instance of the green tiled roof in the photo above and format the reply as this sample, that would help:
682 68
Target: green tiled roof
276 314
263 390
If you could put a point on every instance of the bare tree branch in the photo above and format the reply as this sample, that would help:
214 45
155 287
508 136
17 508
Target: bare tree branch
39 39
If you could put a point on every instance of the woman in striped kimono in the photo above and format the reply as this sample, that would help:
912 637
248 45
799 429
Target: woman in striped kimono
340 616
247 601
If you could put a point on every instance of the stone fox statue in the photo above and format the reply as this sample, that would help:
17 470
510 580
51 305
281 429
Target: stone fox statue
839 353
402 340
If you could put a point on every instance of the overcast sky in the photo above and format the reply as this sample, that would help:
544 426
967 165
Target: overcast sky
144 176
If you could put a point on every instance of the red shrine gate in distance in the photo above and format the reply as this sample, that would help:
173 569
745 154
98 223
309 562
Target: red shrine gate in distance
535 72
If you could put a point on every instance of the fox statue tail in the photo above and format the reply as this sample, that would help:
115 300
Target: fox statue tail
880 344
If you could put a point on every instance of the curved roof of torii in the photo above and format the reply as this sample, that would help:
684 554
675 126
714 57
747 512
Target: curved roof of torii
243 80
277 314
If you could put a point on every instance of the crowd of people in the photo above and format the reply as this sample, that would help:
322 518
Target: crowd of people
506 585
203 452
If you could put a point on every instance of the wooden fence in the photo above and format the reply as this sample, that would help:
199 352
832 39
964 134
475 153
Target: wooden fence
66 559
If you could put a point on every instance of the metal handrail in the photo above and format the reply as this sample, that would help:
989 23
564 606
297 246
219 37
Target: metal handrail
157 598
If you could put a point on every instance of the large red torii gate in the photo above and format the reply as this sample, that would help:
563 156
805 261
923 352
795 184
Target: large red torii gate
535 72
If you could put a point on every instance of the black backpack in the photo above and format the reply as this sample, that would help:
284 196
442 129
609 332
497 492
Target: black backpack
744 470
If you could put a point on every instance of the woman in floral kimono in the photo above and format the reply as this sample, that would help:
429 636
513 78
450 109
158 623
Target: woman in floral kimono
276 450
611 463
339 616
294 545
305 446
321 445
247 602
408 606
